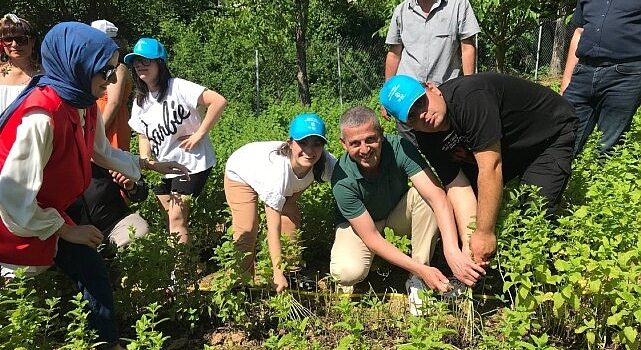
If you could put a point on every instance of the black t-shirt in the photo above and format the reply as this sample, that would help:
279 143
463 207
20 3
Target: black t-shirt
486 108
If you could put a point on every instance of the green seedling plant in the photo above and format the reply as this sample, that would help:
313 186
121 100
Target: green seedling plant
25 324
402 242
429 330
351 323
79 335
228 300
290 333
147 335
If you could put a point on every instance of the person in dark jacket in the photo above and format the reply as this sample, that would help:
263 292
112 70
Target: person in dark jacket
601 77
104 205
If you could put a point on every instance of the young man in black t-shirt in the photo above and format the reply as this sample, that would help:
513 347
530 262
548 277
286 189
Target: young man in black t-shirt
481 130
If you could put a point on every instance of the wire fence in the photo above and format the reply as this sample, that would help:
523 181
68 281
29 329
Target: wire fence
353 69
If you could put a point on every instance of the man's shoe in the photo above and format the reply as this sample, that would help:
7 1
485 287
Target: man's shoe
414 285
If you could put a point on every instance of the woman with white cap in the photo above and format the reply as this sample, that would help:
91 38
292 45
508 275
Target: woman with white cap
276 172
113 104
166 118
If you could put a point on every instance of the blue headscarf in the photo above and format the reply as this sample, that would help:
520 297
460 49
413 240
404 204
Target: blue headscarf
72 53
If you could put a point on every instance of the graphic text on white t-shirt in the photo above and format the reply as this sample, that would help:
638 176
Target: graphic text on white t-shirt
169 126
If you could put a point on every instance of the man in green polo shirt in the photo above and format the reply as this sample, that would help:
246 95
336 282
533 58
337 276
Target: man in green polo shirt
370 185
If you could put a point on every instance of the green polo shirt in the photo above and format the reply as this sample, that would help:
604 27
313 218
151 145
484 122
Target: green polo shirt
355 193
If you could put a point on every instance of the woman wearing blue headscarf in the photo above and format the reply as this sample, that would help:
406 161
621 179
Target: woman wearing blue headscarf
48 137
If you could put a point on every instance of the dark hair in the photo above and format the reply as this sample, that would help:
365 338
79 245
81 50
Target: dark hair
418 107
360 115
285 150
12 25
142 90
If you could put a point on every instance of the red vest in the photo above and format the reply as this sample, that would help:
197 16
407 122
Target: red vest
65 176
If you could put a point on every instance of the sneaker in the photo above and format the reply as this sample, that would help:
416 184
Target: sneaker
413 285
457 288
341 289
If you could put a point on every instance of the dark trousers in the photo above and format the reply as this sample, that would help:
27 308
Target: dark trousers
87 269
550 170
606 97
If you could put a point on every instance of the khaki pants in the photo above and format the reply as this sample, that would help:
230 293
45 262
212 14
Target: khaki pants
412 216
119 235
243 202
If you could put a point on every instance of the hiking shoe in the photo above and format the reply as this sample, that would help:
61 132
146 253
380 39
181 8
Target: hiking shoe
413 285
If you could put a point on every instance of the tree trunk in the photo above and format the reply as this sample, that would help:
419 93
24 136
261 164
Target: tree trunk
559 48
500 51
301 8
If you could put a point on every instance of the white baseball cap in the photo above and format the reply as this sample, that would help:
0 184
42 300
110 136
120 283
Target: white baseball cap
105 26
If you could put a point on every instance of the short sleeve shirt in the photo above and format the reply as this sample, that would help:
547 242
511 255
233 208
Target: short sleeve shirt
165 123
355 193
431 44
270 174
487 108
611 29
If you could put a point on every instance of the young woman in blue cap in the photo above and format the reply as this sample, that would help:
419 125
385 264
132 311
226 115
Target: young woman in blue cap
276 172
48 137
165 116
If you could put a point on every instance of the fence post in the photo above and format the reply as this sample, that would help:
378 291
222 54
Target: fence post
340 83
257 84
476 54
538 52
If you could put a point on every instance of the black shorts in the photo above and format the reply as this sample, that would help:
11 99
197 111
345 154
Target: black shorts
180 184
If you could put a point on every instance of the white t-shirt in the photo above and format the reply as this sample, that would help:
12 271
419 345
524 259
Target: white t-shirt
271 175
164 123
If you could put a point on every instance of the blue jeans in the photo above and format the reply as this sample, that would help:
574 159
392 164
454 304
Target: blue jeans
87 269
606 97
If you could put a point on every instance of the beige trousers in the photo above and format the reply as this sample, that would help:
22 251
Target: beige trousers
119 235
412 216
243 202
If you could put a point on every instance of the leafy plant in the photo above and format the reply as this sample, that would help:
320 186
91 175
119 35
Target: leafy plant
79 335
25 324
147 335
227 300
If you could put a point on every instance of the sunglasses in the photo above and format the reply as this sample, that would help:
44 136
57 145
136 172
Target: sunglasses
20 40
142 60
108 72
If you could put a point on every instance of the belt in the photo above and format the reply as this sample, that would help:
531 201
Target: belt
599 62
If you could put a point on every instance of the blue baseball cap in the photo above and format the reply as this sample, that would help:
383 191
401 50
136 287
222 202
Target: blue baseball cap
399 94
148 48
307 124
